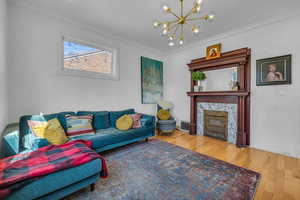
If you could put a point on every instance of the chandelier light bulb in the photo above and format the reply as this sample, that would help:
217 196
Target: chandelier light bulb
165 25
198 2
165 31
181 42
156 24
195 30
171 37
171 43
198 8
166 8
211 16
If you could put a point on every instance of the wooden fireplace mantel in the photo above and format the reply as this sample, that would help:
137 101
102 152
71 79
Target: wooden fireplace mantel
219 93
240 58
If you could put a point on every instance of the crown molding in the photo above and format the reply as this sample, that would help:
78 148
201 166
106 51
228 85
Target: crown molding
228 34
87 27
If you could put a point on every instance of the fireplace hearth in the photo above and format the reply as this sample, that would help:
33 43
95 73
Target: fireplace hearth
216 124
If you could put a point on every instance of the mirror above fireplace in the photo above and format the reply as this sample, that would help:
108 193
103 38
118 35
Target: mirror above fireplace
222 79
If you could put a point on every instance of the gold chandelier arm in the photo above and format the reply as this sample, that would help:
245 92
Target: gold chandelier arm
189 13
181 34
181 7
173 26
171 22
175 31
171 12
198 18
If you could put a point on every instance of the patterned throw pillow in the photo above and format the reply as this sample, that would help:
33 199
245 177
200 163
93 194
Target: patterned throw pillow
136 120
50 130
79 125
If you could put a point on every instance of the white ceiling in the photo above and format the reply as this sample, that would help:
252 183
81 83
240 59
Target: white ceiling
132 19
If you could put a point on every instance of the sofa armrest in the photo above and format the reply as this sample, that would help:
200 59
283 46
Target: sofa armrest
10 144
39 143
148 120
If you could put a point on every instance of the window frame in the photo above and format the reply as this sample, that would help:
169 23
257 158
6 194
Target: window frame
86 74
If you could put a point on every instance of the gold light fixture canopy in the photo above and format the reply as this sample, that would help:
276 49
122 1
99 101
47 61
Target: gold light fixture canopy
174 30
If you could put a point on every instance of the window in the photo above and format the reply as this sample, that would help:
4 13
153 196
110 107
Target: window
82 59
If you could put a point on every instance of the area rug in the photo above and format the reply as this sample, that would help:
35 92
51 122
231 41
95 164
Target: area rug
157 170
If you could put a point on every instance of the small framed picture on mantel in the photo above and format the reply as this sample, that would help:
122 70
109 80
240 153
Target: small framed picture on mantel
274 71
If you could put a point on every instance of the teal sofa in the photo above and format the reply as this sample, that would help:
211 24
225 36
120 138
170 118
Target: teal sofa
19 139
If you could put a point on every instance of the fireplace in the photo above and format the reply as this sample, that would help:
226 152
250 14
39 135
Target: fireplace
216 124
235 101
217 120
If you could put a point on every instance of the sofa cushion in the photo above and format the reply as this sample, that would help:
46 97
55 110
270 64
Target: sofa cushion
79 125
115 115
148 120
100 120
56 181
50 130
136 120
110 136
25 130
124 123
163 114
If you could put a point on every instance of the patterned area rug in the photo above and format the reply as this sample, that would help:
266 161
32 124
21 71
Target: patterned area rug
157 170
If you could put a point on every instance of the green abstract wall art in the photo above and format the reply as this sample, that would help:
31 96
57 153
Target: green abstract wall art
152 80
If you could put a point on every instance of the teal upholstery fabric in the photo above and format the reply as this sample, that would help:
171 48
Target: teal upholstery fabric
148 120
112 146
100 120
109 136
10 144
59 194
38 143
32 142
25 143
57 181
115 115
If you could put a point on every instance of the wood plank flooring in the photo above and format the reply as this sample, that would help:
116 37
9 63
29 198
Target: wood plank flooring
280 174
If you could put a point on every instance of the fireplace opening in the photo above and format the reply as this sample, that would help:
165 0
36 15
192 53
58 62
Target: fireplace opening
216 124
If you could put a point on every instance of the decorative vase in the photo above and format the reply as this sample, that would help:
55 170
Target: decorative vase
200 87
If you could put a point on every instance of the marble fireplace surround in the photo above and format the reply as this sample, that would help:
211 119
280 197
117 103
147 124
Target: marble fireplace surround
231 109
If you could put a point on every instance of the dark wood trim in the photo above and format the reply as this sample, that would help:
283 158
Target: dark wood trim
217 99
238 57
219 93
242 59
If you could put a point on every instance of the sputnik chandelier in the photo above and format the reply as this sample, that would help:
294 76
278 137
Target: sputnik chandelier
174 30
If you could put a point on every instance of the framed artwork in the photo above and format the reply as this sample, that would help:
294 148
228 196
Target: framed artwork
274 71
152 80
213 51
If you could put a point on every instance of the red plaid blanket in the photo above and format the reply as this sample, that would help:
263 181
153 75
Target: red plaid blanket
19 170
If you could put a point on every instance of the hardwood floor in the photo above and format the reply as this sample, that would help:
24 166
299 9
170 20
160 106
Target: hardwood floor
280 174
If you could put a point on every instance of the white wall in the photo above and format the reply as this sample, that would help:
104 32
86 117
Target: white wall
3 67
275 110
34 84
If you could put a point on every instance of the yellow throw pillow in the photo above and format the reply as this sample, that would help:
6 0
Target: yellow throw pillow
124 123
163 114
50 130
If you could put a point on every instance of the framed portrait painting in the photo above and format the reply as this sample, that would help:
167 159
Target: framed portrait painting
274 71
213 51
152 80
